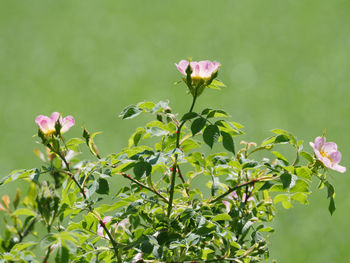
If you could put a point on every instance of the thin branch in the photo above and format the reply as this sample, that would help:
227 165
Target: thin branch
145 186
231 189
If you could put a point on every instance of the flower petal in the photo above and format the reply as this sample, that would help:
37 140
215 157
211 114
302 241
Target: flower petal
319 142
329 147
325 161
182 66
335 157
54 116
339 168
46 125
67 123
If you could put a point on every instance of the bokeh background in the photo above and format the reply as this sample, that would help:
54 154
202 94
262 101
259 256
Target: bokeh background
285 63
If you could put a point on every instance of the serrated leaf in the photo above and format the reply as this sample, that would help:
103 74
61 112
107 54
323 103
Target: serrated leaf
227 142
189 145
198 125
142 169
130 112
103 186
157 131
221 217
287 134
286 179
73 144
217 114
300 186
62 254
249 164
19 174
24 211
303 172
266 229
189 116
22 246
280 198
287 204
281 157
211 135
300 197
307 156
281 139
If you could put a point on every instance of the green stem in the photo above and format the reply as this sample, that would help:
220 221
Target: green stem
47 255
173 175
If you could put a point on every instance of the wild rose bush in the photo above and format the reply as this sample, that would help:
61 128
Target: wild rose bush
161 212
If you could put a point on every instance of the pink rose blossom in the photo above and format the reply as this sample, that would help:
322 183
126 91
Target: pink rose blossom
106 220
202 70
328 154
234 196
47 124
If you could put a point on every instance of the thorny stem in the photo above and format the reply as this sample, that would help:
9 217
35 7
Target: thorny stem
231 189
145 186
45 259
91 209
27 231
172 179
182 179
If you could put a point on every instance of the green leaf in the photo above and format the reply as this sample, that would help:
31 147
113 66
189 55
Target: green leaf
189 116
303 172
290 136
19 174
103 186
217 114
301 198
24 211
211 135
62 254
130 112
227 142
281 139
286 179
146 105
300 186
307 156
198 125
281 157
22 246
90 142
189 145
156 131
221 217
331 206
287 204
249 164
142 169
266 229
280 198
136 137
73 143
218 83
107 208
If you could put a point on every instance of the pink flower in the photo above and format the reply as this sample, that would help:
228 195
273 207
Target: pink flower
234 196
47 124
100 229
328 154
202 70
106 220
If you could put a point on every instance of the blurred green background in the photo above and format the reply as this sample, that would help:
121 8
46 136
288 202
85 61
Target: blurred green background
285 63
